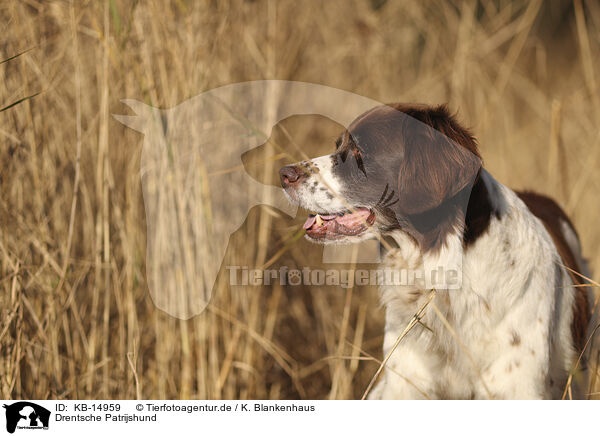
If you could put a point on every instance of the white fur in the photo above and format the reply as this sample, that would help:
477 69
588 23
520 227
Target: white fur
326 197
512 315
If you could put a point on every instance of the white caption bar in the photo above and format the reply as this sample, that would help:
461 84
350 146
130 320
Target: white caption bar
296 417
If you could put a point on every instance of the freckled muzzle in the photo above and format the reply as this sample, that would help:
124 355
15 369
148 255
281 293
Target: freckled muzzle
337 216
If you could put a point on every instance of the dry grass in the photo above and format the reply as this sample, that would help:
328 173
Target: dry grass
77 320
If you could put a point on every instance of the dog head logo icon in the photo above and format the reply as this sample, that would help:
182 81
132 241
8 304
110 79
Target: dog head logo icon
196 192
26 415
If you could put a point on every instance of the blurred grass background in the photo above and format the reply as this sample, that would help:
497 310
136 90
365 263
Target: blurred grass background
76 318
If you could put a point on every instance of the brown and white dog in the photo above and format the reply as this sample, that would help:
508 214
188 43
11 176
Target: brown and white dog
515 326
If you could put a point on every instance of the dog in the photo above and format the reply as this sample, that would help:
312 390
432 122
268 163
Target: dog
514 322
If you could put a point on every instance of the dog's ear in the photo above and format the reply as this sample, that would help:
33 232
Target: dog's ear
434 168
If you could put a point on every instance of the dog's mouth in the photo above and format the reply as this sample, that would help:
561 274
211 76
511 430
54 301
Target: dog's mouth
336 225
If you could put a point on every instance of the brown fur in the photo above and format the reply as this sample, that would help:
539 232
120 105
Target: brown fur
479 209
438 164
440 118
435 167
479 213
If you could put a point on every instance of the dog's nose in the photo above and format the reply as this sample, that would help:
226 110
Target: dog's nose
290 175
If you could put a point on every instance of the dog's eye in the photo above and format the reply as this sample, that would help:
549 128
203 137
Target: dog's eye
358 156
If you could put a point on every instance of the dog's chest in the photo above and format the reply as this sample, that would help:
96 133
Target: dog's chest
474 332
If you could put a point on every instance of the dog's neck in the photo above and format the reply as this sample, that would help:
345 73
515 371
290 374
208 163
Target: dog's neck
467 213
460 230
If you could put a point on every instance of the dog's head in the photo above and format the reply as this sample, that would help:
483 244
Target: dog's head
396 167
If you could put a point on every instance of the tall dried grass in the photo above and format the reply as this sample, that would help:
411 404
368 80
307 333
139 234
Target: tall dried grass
77 320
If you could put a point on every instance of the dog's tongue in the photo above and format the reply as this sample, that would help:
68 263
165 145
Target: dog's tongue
309 221
312 218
